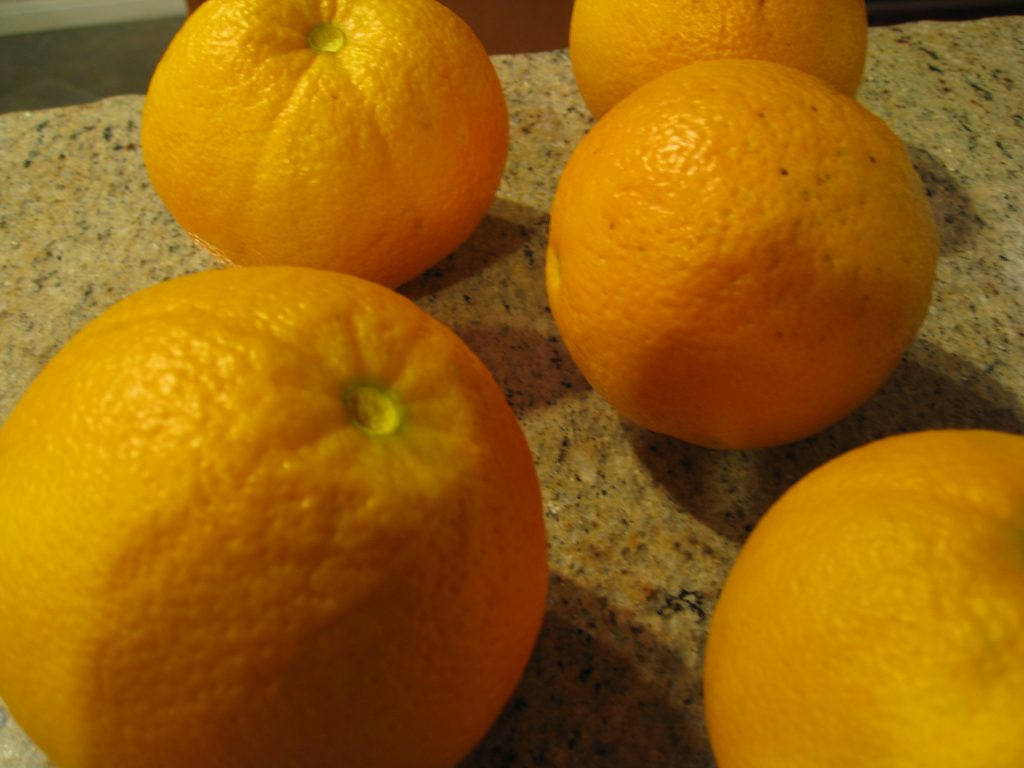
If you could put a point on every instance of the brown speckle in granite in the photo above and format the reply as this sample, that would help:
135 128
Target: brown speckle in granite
642 528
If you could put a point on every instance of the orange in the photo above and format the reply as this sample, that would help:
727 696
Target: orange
615 46
738 254
265 517
365 136
875 616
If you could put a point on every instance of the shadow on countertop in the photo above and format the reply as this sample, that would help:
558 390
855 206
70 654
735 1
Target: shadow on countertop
931 389
585 701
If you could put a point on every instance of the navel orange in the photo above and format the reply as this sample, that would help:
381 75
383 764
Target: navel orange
265 517
875 616
366 136
739 254
618 45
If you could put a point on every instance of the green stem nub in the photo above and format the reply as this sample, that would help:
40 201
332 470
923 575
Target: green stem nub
326 38
373 410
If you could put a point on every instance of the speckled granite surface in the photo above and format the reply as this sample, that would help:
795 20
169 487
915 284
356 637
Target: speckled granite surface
642 528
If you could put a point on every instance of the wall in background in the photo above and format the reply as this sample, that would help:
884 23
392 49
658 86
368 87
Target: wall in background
21 16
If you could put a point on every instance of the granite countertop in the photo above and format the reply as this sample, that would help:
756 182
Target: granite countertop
642 528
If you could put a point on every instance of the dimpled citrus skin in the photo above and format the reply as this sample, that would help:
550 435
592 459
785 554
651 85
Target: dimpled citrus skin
377 159
875 616
265 517
618 45
739 255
